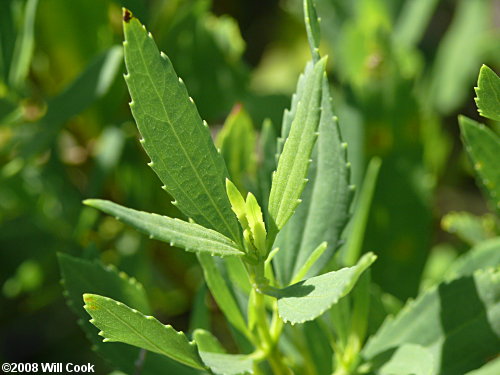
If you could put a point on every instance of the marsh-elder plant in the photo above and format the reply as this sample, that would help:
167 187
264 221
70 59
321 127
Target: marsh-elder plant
283 261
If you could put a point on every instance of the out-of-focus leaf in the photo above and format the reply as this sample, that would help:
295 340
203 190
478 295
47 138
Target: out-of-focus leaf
221 293
325 201
120 323
311 21
459 322
192 171
25 44
189 236
200 315
352 250
410 359
267 145
483 147
308 299
413 20
488 94
485 254
289 178
454 68
92 84
236 141
469 228
81 276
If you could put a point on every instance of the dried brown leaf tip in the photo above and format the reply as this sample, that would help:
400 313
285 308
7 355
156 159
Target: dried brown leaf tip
127 15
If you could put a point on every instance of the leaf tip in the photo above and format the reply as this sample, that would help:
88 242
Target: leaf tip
127 15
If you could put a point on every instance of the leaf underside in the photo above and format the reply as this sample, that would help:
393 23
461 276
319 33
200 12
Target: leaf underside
189 236
174 136
120 323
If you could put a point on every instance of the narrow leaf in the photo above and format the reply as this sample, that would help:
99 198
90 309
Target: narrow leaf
120 323
179 144
25 45
458 321
207 342
189 236
488 94
236 141
326 200
483 148
289 179
81 276
312 27
221 292
310 262
310 298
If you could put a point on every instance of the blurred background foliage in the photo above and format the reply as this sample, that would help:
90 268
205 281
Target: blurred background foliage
402 71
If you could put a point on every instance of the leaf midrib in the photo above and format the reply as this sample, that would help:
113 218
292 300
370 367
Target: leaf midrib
132 328
185 153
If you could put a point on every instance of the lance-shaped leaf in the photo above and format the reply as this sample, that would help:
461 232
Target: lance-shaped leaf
189 236
174 136
326 199
483 148
120 323
81 276
488 94
289 179
410 359
222 293
310 298
458 321
312 26
214 356
469 228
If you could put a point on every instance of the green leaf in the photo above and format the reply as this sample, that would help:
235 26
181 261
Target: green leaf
80 276
189 236
174 136
289 179
221 293
312 27
25 45
228 364
410 359
491 368
483 255
468 227
267 143
488 94
310 298
458 321
483 147
120 323
450 81
256 223
325 201
207 342
214 356
313 258
93 83
352 250
413 20
236 141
